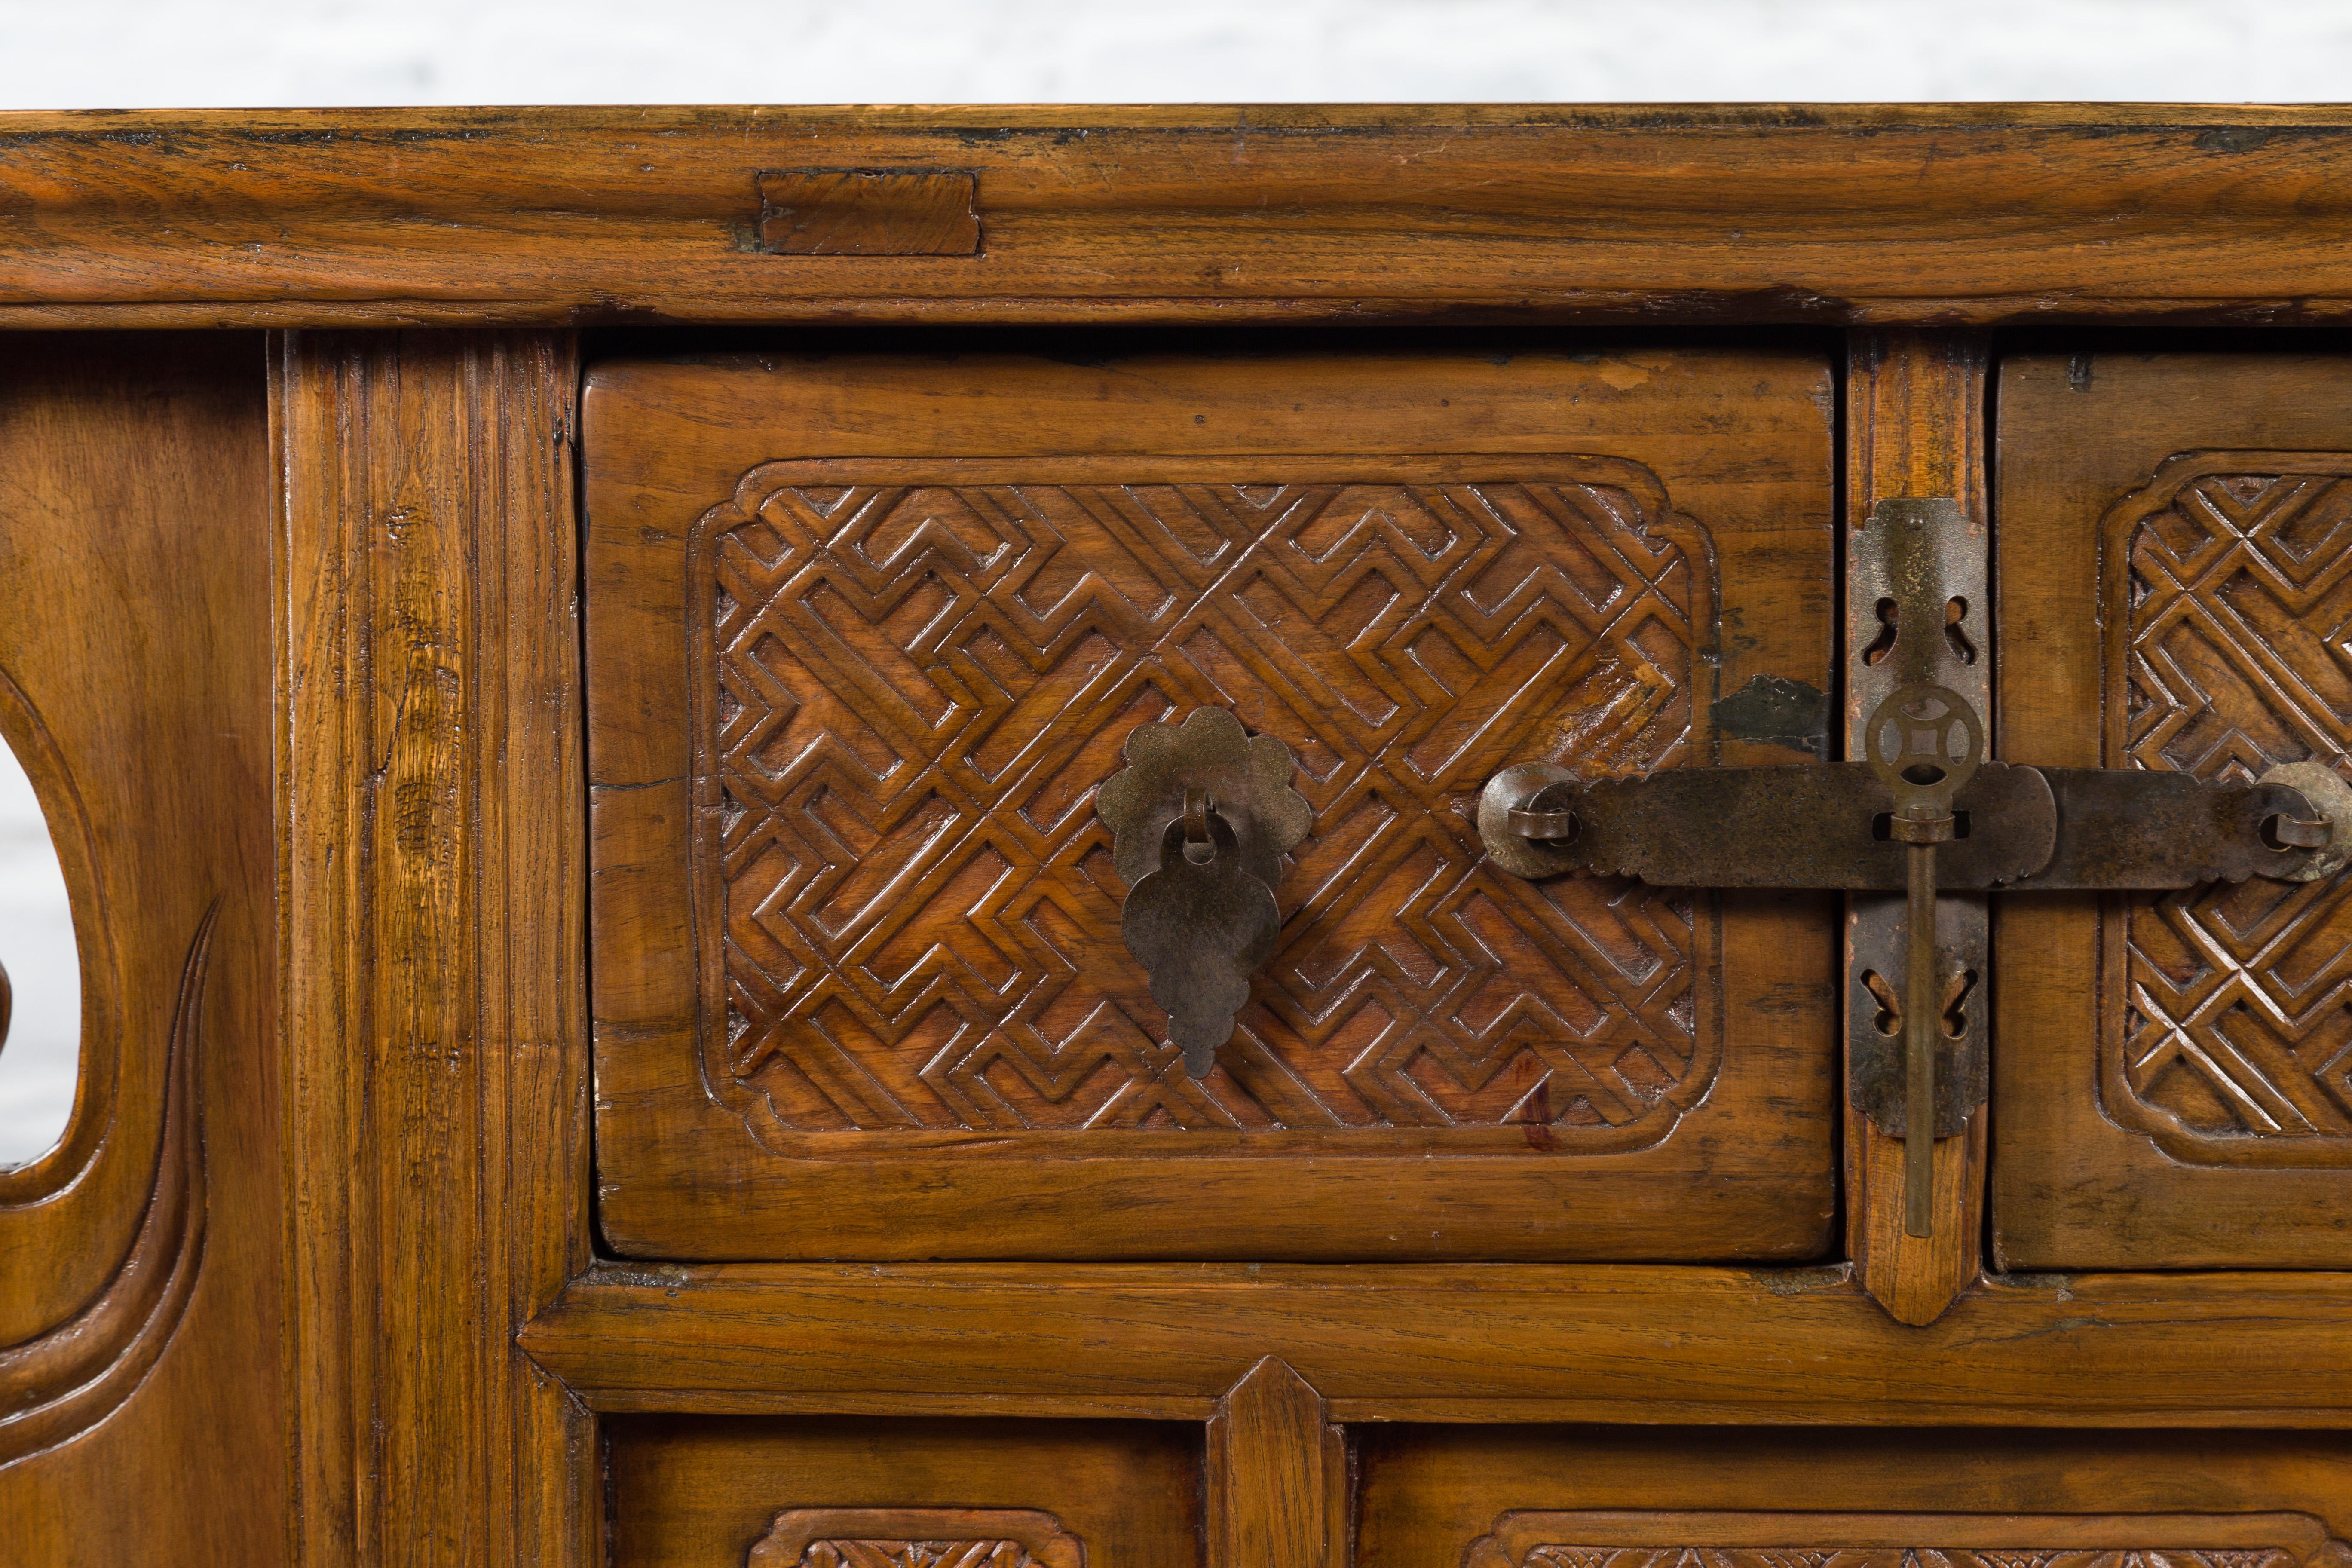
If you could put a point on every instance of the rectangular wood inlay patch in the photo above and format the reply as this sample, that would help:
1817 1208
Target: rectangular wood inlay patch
868 212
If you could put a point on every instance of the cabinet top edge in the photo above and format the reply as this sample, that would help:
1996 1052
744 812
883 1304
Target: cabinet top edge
1964 215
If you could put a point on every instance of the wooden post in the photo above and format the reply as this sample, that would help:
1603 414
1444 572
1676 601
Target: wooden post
430 781
1277 1476
1916 417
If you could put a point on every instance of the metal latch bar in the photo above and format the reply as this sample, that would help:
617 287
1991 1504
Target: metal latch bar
1834 826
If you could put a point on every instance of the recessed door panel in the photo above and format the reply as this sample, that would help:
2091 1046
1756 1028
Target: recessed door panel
848 1492
867 634
1582 1497
2176 586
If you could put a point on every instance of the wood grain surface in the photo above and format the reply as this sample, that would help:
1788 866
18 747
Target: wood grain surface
1279 1487
867 212
1455 1342
141 1389
2174 543
1773 212
433 886
861 989
693 1492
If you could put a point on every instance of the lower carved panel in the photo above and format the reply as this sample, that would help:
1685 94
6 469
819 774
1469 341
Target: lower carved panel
1765 1539
917 1538
842 1491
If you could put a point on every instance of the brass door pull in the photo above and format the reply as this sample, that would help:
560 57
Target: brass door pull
1201 819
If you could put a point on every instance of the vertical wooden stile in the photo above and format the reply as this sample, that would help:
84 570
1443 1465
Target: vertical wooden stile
431 921
1277 1476
1916 427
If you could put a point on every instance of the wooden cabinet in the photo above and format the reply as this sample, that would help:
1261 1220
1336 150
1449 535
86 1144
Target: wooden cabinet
586 656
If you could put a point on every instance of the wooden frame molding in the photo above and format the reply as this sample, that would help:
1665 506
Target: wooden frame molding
432 866
1849 214
1438 1342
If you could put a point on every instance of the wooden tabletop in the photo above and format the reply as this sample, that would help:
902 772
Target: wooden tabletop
1976 214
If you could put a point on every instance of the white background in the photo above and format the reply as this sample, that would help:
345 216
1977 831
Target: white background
38 1060
174 53
58 54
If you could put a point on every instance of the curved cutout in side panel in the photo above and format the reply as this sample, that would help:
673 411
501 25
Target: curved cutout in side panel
40 977
70 1150
59 1385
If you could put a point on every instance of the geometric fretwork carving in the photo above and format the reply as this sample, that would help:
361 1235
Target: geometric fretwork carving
918 1537
1761 1539
2229 592
1555 1556
916 675
1550 1556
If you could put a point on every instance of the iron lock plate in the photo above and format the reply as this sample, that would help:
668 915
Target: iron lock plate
2019 830
1928 812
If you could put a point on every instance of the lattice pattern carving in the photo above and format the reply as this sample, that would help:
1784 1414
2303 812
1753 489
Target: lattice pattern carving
921 674
917 1538
1548 1555
2236 1018
1760 1540
916 1554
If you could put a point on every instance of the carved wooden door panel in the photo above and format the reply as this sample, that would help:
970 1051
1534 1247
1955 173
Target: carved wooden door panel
2176 591
865 636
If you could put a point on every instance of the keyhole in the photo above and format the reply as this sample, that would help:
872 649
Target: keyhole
1956 611
1889 1021
1956 1016
1877 651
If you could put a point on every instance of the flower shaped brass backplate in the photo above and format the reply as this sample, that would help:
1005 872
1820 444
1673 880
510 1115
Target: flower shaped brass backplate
1201 819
